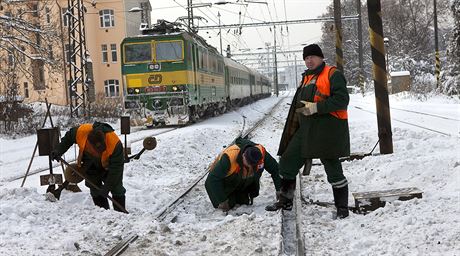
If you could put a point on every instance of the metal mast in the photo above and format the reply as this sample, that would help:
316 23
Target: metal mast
78 59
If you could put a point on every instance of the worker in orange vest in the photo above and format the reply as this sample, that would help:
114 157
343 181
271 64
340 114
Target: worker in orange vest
234 176
316 127
101 159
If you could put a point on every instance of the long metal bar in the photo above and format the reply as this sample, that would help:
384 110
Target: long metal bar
260 53
291 230
274 23
92 184
121 246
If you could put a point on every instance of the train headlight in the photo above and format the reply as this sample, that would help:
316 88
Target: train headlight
130 90
174 88
137 91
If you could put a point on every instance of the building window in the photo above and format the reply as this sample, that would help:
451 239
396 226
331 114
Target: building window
10 58
68 53
37 35
65 18
26 90
107 18
113 49
105 54
48 17
35 10
23 54
38 71
111 88
50 50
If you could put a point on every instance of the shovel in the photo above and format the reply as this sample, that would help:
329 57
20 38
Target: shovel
57 193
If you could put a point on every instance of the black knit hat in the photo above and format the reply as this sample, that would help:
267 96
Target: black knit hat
312 49
252 155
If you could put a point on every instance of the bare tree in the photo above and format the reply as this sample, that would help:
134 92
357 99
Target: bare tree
409 26
451 78
29 41
28 32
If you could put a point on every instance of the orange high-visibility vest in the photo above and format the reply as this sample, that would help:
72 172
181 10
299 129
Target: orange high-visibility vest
323 88
232 153
111 141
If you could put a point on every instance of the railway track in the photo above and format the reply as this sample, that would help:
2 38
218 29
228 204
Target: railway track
411 123
163 215
171 212
291 230
71 160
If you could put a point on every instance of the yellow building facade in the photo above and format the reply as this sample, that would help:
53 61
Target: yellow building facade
107 23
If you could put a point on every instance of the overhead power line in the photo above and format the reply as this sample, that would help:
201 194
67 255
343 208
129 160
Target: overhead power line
261 24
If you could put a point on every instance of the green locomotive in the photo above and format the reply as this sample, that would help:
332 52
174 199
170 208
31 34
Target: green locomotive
173 77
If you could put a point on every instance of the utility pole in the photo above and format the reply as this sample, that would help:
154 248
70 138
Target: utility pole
380 77
276 64
436 49
220 33
190 15
78 59
360 47
295 66
268 58
338 35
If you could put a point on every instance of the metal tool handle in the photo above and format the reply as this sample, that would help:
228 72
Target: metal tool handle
92 184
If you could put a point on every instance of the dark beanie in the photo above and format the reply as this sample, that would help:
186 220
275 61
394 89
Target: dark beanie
312 49
252 155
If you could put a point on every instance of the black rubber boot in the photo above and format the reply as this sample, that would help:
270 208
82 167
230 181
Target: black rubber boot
286 196
121 200
341 201
101 202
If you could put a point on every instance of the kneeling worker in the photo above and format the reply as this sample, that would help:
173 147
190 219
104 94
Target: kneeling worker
101 157
234 177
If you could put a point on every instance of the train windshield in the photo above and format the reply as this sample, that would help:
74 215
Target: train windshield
138 52
169 51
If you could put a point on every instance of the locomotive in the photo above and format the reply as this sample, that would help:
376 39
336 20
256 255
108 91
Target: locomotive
173 77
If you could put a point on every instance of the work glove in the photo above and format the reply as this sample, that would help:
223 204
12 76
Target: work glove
278 193
309 109
55 155
103 191
224 206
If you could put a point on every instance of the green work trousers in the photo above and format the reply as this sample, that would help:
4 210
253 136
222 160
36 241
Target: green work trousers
291 161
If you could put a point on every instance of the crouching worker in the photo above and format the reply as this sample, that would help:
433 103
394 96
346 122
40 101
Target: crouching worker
101 156
234 177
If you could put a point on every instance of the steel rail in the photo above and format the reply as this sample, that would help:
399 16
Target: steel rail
419 112
72 160
119 248
167 210
291 230
425 114
408 123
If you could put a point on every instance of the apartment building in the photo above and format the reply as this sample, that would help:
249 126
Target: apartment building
107 22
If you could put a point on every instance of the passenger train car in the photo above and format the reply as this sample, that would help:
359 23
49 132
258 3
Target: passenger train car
173 77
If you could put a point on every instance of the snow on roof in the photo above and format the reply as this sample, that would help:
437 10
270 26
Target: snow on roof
400 73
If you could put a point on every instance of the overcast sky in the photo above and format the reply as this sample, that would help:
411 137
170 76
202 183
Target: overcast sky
252 38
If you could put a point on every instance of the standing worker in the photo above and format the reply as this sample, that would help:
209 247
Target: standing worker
234 177
316 127
101 158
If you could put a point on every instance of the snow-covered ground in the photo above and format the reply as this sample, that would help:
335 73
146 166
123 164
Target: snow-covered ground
30 225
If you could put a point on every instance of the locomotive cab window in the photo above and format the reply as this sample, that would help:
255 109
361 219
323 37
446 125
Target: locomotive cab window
169 51
138 52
